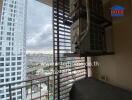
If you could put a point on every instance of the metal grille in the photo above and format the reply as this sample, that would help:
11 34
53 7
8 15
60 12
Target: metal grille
67 69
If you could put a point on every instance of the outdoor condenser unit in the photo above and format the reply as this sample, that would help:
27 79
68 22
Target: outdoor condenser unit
91 32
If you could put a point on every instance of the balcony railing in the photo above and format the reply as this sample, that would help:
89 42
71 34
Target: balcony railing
34 89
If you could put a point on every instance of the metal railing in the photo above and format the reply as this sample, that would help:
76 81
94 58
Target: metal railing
34 89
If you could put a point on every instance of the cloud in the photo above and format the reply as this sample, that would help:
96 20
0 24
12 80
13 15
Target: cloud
39 26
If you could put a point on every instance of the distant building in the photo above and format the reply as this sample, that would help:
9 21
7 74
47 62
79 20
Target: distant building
39 58
12 46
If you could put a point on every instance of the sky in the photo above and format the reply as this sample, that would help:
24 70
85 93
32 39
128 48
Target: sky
39 27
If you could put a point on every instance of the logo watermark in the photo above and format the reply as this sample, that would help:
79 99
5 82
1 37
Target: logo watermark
117 11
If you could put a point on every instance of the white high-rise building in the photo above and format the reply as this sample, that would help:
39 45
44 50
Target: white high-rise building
12 46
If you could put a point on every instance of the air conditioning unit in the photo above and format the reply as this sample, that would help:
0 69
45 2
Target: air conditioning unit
89 28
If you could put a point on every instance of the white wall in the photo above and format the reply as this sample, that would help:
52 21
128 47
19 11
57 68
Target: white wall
118 68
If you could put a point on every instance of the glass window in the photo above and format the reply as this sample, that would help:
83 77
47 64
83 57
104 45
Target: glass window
13 69
0 43
1 75
19 92
13 58
7 69
19 58
9 23
2 96
1 32
13 79
13 63
13 94
2 59
1 70
19 97
2 80
8 54
7 64
1 91
1 64
7 80
8 38
13 73
18 73
14 98
19 68
18 63
8 33
11 5
7 95
8 59
7 90
7 48
7 74
1 38
9 19
18 78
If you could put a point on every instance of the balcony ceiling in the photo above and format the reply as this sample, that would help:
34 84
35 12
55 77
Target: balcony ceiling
105 1
48 2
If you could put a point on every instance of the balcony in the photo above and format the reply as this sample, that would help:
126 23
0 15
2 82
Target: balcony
45 88
70 68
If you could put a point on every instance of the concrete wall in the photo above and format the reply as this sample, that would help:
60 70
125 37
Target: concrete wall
1 5
117 69
48 2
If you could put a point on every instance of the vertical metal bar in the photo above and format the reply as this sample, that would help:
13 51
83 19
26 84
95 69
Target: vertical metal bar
54 50
86 67
48 88
31 88
21 93
58 51
10 92
40 90
63 20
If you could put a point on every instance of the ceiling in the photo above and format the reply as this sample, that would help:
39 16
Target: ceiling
105 1
48 2
1 3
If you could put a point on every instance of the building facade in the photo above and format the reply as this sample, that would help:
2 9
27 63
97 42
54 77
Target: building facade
12 46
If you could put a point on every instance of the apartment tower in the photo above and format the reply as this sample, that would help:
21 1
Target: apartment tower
12 46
